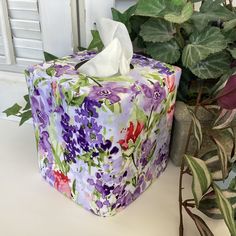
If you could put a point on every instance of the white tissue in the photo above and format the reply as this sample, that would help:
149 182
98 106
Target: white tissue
117 54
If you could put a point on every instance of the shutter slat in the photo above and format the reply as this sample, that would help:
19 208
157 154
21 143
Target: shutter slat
23 5
25 29
24 14
28 48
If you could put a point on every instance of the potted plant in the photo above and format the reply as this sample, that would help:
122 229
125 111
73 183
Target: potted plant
203 44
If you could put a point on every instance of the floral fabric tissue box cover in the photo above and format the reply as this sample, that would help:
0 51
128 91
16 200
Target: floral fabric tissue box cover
102 141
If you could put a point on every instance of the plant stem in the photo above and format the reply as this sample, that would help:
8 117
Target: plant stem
181 39
231 4
96 82
181 226
133 160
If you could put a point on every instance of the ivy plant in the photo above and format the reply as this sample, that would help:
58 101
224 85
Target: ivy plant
24 112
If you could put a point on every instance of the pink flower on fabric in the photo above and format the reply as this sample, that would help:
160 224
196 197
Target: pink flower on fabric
170 81
154 96
62 183
109 91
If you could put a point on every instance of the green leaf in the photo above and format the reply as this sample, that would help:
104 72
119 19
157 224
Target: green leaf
224 119
139 114
202 227
213 164
212 67
137 22
27 106
50 71
168 52
25 116
151 8
208 204
157 30
185 14
49 57
230 36
211 11
202 45
226 210
201 177
96 42
13 110
229 25
233 52
220 84
65 167
232 184
222 156
74 187
124 17
197 129
26 97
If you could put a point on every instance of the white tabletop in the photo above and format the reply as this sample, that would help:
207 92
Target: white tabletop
30 207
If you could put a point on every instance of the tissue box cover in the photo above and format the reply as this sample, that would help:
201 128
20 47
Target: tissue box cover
102 141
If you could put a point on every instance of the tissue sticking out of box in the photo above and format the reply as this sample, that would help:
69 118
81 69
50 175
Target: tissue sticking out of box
117 54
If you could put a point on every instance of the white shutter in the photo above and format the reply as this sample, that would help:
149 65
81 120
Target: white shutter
23 26
35 26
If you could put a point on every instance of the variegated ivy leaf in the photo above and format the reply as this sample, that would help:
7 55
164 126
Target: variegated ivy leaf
197 129
212 67
202 227
168 52
157 30
202 45
232 134
224 119
183 16
201 177
213 164
226 210
208 204
222 156
221 83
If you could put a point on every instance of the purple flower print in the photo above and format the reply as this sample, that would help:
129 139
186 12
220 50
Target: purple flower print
38 112
154 96
88 108
162 68
108 91
66 69
146 149
45 145
84 135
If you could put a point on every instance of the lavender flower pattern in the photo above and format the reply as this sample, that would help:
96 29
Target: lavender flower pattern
102 141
